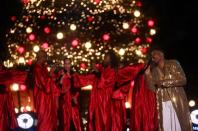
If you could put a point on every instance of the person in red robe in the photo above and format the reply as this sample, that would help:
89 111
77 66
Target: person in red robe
45 94
144 116
7 114
107 101
69 104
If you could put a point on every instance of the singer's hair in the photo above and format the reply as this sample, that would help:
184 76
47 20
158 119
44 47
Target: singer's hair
114 61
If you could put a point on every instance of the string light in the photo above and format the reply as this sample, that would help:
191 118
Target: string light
59 35
36 48
73 27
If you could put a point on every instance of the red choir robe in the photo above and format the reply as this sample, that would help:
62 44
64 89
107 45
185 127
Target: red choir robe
45 96
107 105
68 108
7 114
144 115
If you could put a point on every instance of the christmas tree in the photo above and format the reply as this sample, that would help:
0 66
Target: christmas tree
83 30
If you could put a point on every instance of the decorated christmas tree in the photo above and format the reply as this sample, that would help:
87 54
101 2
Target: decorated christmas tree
82 30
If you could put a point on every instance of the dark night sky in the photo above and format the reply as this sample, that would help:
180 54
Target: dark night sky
177 31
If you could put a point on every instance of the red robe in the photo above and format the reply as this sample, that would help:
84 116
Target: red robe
45 94
107 109
144 108
7 114
69 110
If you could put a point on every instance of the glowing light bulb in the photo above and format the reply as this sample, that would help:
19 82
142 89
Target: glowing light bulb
36 48
29 30
16 110
59 35
21 60
32 37
73 27
15 87
127 105
137 13
152 32
125 25
191 103
88 45
121 52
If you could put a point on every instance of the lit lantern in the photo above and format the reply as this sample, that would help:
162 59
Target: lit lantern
106 37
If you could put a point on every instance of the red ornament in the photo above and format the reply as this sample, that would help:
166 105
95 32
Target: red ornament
13 18
22 87
47 30
42 17
82 65
137 40
138 3
32 37
149 40
45 45
106 37
90 18
150 23
134 30
21 50
29 62
144 50
25 2
97 1
75 43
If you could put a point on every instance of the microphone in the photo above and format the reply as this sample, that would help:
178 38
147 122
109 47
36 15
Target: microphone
146 66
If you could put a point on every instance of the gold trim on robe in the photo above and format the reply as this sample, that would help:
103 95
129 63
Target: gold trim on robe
173 80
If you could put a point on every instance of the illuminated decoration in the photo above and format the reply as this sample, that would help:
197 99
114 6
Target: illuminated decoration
121 52
73 27
29 30
21 50
28 108
13 18
127 105
89 87
106 37
125 26
59 35
25 121
152 32
15 87
45 45
21 60
81 30
194 117
22 87
16 110
191 103
151 23
47 30
88 45
36 48
137 13
32 37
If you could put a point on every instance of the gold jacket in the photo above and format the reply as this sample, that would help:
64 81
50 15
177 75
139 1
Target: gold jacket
173 80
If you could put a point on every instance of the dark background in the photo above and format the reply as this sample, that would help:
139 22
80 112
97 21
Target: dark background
177 32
